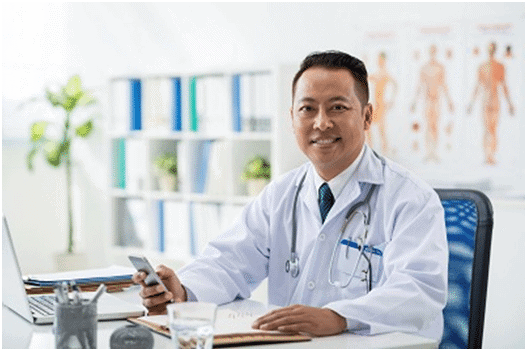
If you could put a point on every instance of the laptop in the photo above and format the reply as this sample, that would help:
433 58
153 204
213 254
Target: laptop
39 309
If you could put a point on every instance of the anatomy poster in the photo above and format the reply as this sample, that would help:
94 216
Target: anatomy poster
447 102
494 116
382 56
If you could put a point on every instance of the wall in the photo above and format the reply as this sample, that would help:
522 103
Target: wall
46 43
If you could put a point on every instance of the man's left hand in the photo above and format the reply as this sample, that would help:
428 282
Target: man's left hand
302 319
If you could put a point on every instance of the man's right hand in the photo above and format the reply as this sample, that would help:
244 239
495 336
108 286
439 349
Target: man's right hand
154 299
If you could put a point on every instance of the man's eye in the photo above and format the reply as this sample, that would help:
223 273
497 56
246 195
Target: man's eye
339 107
306 108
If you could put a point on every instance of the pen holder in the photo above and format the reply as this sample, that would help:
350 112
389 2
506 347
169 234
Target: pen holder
75 325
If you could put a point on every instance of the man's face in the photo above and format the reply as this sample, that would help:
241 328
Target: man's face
328 119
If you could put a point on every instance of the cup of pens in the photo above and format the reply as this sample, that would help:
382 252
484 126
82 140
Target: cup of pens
75 323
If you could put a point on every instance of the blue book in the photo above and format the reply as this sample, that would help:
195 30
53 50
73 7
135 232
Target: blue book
236 104
135 104
204 153
176 105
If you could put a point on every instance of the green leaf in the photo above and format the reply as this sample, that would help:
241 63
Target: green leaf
73 87
84 129
37 130
52 152
86 99
55 99
69 101
30 156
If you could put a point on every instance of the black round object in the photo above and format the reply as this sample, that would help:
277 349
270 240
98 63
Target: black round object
132 336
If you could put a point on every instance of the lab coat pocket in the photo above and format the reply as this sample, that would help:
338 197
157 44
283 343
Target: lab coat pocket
351 261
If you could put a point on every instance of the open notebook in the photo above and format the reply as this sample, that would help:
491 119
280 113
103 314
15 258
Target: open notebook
231 328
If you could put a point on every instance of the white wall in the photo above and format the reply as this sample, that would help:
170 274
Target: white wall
44 44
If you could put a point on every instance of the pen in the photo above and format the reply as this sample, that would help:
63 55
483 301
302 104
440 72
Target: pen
58 294
64 290
100 290
76 293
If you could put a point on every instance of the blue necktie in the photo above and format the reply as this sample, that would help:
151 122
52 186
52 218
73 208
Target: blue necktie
325 200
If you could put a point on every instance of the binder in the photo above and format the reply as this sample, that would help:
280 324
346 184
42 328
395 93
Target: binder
236 104
135 104
193 109
176 105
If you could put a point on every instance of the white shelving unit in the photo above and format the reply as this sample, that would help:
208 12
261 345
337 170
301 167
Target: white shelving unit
165 225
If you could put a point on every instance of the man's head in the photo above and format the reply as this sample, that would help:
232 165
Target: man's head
336 59
330 111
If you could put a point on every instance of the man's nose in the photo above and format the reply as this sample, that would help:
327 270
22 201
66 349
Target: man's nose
322 121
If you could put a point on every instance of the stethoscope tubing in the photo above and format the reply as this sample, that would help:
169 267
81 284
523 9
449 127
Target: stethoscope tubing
292 264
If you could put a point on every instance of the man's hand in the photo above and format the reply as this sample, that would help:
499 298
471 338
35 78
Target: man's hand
154 299
302 319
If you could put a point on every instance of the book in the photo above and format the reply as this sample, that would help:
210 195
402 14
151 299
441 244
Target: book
135 160
88 276
119 147
120 112
133 224
230 328
193 110
177 228
157 103
135 104
236 104
111 287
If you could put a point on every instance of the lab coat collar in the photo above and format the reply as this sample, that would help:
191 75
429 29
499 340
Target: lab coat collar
369 171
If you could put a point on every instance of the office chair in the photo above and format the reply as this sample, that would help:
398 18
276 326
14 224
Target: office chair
469 221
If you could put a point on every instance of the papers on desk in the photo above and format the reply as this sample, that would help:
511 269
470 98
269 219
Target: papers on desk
101 275
231 328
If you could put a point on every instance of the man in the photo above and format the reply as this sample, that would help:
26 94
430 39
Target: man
404 284
491 75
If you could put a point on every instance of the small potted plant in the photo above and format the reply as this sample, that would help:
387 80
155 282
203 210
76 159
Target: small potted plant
166 166
257 173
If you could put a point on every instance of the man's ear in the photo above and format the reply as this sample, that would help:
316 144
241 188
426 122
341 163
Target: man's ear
368 116
292 117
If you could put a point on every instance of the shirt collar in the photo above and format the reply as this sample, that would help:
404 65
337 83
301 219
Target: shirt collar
338 182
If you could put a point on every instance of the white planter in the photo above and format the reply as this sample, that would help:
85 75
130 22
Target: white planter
168 183
71 261
255 186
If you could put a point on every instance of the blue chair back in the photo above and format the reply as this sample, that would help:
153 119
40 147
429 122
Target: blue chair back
469 221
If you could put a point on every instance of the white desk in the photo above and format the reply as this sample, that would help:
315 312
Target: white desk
18 333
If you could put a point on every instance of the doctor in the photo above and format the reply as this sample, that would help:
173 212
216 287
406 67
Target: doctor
401 280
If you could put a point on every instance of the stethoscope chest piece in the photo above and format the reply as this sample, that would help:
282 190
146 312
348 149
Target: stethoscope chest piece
293 265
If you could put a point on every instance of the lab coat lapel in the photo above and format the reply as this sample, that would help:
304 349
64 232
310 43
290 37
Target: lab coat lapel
309 193
369 171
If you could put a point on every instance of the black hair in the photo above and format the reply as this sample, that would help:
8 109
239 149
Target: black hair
338 59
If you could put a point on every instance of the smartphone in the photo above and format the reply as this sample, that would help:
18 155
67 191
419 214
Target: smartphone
142 265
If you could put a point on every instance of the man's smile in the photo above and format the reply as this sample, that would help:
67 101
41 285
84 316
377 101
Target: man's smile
325 141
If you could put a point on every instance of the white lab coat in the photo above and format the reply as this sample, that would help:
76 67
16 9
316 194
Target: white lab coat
407 224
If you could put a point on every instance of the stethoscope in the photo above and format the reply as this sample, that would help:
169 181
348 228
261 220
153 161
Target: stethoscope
292 265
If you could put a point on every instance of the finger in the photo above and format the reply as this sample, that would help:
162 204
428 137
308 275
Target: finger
283 321
277 314
164 272
296 328
153 290
139 278
153 301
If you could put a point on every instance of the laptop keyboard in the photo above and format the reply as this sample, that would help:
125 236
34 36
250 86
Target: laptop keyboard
42 304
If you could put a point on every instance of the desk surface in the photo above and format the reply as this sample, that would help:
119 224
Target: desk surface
18 333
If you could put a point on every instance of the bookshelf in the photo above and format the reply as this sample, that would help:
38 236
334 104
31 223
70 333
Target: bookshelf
215 122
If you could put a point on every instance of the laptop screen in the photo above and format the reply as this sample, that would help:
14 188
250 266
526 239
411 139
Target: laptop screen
13 290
